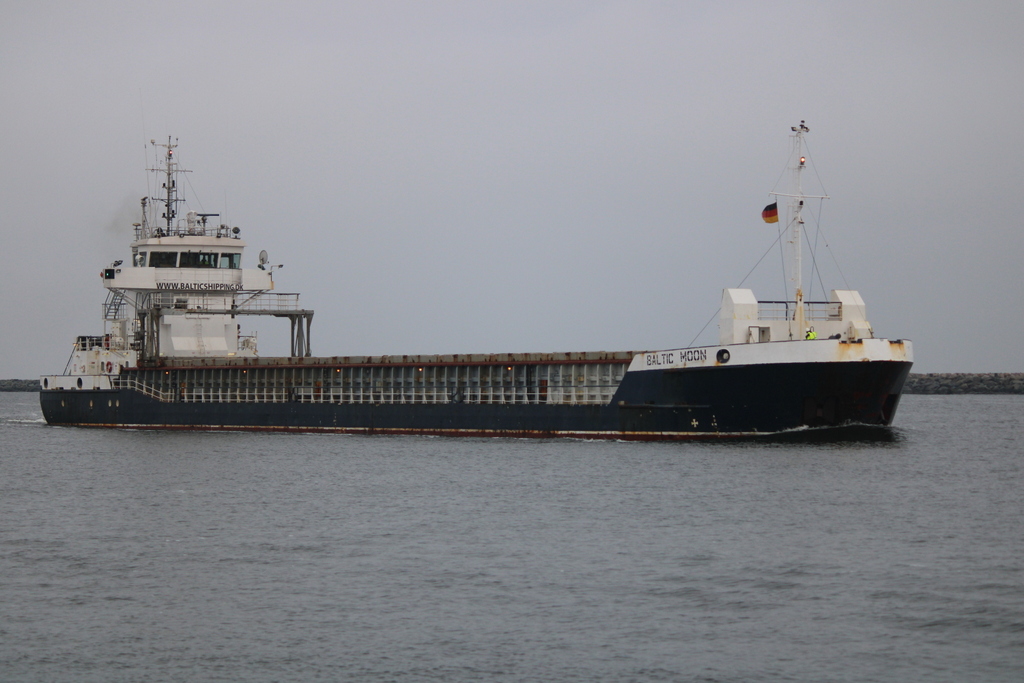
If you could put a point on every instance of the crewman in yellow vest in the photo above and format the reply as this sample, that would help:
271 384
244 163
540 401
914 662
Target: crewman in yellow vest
811 334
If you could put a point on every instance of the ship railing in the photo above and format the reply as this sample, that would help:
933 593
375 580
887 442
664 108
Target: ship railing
89 342
182 229
497 395
270 302
813 310
264 302
234 394
488 395
106 342
129 382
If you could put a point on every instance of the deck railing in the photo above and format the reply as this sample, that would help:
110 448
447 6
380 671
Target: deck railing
130 382
813 310
265 301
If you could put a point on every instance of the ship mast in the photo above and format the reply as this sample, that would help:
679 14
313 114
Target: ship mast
170 186
796 221
796 224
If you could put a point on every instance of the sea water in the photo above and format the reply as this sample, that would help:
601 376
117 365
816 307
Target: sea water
170 556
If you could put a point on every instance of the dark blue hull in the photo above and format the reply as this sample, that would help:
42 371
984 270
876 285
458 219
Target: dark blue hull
650 405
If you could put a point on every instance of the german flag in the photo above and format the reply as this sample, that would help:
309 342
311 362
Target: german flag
771 213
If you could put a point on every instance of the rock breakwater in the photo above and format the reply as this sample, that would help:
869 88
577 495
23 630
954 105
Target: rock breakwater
19 385
965 383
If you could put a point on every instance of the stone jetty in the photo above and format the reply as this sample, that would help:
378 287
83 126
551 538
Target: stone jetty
19 385
965 383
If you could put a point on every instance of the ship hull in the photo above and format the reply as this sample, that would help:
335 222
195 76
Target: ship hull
668 404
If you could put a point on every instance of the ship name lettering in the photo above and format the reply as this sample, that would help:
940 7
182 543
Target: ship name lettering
670 357
665 358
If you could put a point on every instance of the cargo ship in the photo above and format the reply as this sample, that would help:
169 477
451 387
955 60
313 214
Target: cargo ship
172 355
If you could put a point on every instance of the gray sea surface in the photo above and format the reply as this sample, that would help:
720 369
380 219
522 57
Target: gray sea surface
160 556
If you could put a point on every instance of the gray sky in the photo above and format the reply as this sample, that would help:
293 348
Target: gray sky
460 177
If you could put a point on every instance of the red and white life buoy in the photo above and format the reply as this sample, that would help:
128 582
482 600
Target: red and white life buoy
110 367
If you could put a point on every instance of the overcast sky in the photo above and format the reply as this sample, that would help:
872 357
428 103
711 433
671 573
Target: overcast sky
475 177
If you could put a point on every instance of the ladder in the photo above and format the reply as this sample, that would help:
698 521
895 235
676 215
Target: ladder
113 307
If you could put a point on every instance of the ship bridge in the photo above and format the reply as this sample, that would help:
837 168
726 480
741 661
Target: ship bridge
182 291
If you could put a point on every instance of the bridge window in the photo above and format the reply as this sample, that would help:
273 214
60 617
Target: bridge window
193 259
230 260
163 259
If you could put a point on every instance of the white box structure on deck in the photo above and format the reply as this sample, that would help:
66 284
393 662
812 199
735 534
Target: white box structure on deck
745 320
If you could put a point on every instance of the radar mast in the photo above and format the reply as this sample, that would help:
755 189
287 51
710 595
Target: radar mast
170 169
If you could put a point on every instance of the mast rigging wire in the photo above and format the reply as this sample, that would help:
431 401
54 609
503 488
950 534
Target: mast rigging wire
715 314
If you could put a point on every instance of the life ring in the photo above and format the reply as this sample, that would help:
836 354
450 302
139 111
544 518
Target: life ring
110 367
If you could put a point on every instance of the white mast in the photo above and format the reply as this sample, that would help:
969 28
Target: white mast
796 205
796 222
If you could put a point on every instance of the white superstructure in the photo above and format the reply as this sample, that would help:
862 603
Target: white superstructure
745 320
180 294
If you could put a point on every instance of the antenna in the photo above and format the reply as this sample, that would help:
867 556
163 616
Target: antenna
264 259
170 170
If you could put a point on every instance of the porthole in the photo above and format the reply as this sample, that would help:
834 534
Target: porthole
110 404
79 382
117 403
90 403
723 355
